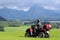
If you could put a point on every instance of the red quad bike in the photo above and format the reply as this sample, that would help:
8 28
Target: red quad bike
41 33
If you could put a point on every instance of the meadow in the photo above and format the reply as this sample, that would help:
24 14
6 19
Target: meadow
17 33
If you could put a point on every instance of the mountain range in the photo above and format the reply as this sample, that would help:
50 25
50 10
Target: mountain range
35 12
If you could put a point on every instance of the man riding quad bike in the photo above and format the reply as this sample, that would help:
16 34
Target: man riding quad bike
37 31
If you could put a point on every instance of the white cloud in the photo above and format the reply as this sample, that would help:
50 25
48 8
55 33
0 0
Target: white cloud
1 7
11 7
25 4
50 7
26 9
17 8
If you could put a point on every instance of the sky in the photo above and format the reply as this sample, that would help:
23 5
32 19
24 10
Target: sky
26 4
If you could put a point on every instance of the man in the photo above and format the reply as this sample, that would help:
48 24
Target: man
38 23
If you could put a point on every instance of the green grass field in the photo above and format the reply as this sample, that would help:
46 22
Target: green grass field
17 33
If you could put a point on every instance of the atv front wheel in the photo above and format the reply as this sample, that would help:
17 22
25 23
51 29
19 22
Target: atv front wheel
47 35
27 35
41 35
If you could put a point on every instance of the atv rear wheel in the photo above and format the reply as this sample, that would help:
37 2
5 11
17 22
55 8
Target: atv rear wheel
27 35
